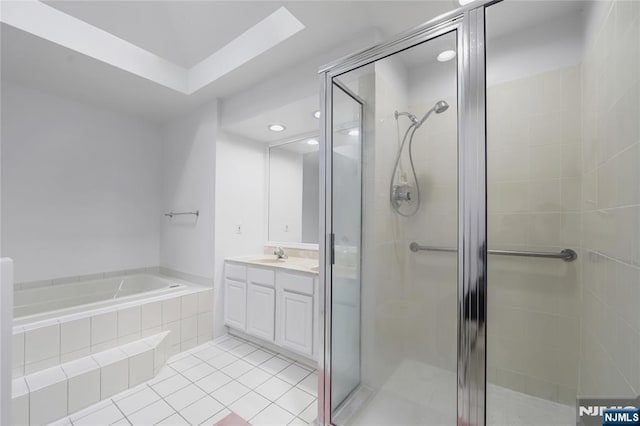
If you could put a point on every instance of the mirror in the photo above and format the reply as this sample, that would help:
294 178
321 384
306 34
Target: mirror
294 191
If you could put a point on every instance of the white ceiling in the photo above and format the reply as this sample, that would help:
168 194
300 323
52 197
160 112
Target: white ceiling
186 32
183 32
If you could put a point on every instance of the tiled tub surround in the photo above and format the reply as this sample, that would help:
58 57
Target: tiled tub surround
55 392
89 329
209 382
61 357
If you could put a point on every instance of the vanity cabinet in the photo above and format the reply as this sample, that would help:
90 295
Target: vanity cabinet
277 306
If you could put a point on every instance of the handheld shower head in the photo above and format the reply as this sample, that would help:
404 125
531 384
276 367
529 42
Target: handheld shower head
402 193
438 108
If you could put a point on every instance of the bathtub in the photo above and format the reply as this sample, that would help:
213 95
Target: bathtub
58 323
55 300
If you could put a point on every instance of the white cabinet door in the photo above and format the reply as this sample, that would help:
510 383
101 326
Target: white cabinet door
235 303
261 302
296 322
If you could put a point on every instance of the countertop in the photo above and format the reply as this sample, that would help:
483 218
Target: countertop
298 264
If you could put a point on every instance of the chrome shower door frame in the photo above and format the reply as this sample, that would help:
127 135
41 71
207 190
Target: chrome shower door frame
468 22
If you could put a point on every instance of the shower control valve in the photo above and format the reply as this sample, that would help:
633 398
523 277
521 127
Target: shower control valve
401 194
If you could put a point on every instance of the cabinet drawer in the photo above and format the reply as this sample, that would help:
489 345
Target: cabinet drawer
261 276
297 283
236 272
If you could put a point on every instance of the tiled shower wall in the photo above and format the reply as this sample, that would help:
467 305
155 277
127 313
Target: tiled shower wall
610 331
534 172
534 181
534 204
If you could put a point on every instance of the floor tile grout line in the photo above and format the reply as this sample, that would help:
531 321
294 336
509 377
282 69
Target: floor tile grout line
171 406
295 415
93 411
308 393
209 394
121 412
191 403
268 405
214 414
315 401
135 393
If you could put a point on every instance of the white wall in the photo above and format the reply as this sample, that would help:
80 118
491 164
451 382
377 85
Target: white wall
188 183
310 197
80 187
285 197
241 188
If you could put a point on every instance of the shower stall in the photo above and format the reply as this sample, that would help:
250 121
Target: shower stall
481 228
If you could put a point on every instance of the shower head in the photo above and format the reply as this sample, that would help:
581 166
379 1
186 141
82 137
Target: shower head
439 107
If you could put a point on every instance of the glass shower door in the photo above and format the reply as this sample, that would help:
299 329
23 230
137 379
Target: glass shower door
394 220
347 172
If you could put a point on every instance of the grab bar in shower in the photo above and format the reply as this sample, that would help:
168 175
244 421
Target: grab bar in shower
172 214
568 255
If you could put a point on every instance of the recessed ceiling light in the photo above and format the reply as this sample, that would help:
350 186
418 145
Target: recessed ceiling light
446 55
312 142
354 132
316 114
463 2
276 127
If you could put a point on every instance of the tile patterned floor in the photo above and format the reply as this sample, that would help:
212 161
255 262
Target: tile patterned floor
207 383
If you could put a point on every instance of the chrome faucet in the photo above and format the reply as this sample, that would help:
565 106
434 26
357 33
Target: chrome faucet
280 253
